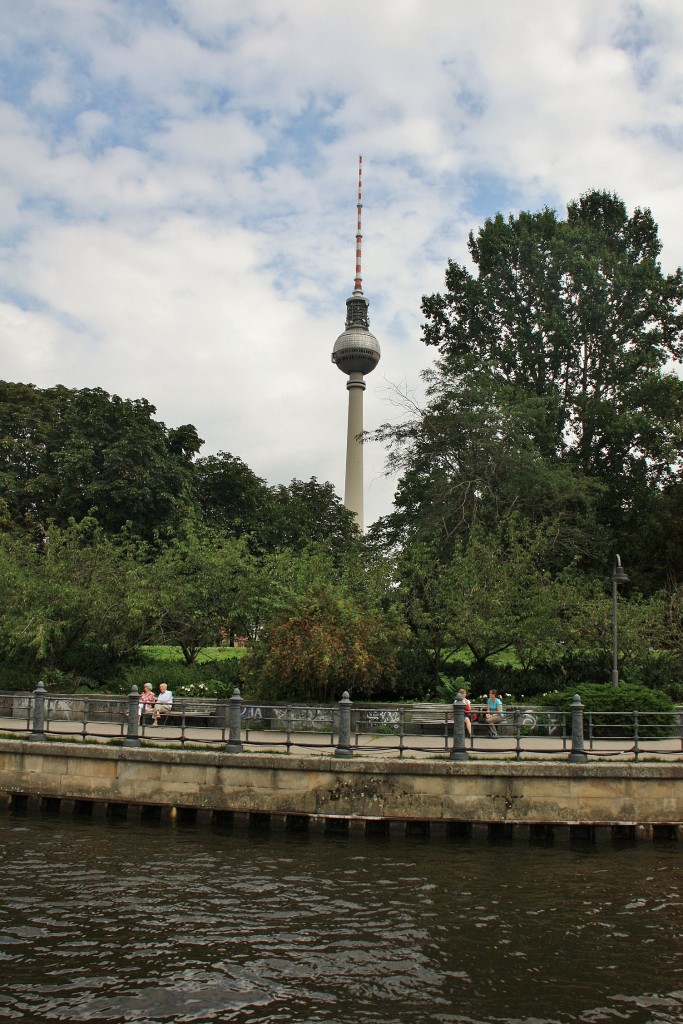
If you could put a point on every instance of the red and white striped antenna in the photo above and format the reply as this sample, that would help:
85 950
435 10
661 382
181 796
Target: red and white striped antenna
358 281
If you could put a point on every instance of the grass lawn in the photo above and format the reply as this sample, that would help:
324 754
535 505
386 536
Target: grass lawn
163 653
465 657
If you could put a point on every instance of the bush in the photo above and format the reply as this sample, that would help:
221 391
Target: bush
25 677
209 679
413 677
612 708
511 682
15 677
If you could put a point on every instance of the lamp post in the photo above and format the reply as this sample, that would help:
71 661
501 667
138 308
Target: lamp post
618 577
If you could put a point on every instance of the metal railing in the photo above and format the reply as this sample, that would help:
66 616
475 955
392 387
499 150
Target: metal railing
344 729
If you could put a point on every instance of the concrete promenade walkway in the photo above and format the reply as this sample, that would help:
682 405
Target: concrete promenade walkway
365 745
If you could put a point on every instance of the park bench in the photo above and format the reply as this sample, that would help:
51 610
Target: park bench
185 708
433 716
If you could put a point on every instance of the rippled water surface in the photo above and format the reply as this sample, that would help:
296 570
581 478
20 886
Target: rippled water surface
132 922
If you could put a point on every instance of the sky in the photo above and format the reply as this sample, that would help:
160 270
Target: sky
178 184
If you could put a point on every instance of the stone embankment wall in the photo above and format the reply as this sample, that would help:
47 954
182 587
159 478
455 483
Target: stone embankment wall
437 791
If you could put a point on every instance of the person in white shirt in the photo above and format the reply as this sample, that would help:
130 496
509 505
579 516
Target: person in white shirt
164 703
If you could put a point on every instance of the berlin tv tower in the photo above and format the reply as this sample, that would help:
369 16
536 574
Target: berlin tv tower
356 352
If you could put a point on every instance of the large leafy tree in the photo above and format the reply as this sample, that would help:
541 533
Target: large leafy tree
554 390
323 628
285 517
66 454
199 586
493 594
309 512
74 603
230 495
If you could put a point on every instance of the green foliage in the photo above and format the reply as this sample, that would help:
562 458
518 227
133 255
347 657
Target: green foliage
231 497
325 629
71 603
197 587
66 454
166 652
612 708
553 397
210 679
608 698
235 501
449 688
413 676
16 676
493 595
309 512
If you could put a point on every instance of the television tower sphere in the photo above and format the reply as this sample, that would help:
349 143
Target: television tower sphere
357 349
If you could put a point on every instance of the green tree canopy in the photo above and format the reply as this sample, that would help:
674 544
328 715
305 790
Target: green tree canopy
323 628
554 391
66 454
74 603
231 497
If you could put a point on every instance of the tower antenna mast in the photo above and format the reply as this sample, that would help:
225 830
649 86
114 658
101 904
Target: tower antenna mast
358 282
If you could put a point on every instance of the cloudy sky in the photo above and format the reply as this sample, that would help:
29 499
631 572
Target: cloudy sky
178 188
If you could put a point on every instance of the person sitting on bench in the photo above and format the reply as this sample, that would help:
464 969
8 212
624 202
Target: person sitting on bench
495 713
468 710
164 703
147 700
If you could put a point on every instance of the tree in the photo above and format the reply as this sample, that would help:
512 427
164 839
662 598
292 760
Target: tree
494 594
309 512
196 587
74 602
231 497
324 628
554 363
68 454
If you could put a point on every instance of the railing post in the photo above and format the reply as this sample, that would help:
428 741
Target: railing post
288 729
132 735
38 726
344 745
636 735
518 733
234 744
402 731
577 754
459 750
84 718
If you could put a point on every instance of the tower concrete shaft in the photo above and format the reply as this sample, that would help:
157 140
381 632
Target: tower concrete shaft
356 352
353 487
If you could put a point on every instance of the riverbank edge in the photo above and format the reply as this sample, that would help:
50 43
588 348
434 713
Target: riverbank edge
324 786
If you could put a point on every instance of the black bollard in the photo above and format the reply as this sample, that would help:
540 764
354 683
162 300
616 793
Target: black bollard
344 744
234 744
38 726
577 754
132 738
459 751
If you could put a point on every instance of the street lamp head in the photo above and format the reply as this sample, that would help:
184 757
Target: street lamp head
618 574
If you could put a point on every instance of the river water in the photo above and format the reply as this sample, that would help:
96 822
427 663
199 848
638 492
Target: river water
106 921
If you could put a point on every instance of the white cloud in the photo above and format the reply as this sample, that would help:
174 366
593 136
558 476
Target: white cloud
177 201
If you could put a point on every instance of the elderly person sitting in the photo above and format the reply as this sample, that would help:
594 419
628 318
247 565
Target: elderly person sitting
147 701
164 703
